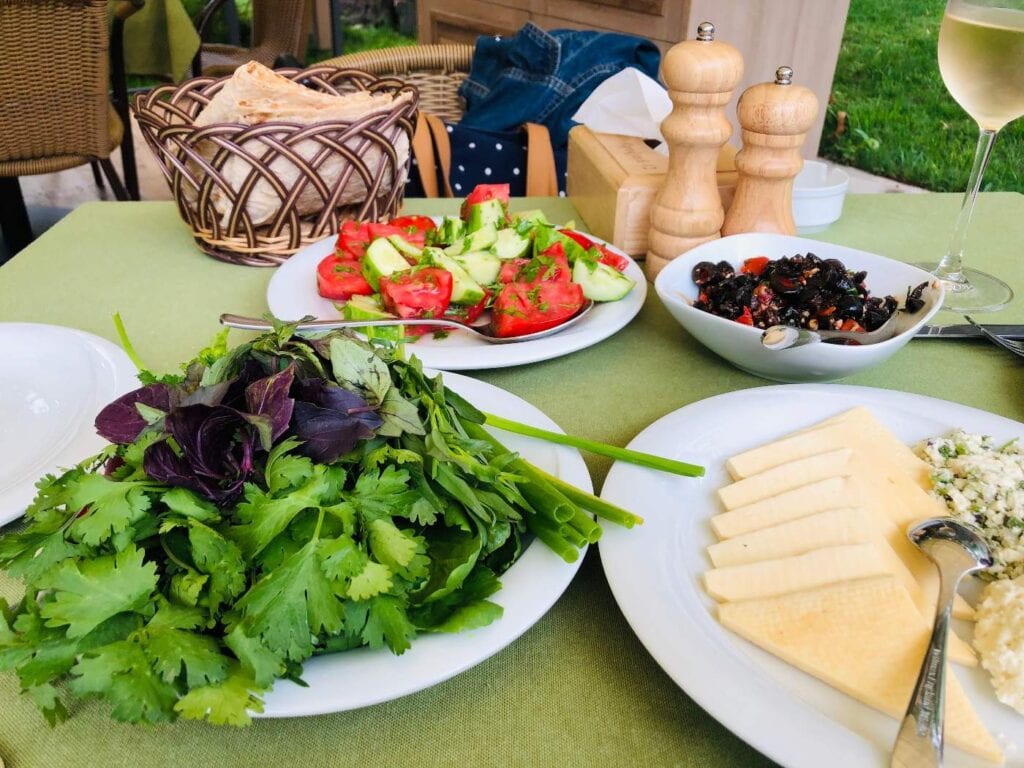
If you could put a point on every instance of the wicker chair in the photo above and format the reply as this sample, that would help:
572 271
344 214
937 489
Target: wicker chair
436 70
280 30
56 58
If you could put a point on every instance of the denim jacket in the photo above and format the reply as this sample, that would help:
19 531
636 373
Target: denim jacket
543 77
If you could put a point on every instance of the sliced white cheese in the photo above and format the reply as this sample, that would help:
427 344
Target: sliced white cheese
863 637
830 493
792 574
856 429
830 528
848 492
785 477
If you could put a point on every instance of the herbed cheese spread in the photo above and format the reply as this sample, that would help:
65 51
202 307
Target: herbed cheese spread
999 639
982 483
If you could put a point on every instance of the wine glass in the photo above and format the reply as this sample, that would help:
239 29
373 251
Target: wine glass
981 58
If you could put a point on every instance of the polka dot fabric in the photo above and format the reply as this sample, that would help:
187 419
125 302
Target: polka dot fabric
487 157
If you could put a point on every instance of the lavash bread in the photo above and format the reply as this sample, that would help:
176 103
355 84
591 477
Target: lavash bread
255 95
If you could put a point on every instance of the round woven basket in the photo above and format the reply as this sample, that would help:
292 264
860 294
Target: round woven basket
221 173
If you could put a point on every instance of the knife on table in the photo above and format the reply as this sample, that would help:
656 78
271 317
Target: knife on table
966 331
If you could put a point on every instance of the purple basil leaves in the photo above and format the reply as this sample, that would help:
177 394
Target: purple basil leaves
217 446
121 422
330 420
269 397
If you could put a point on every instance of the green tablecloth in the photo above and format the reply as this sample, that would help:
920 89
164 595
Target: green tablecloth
578 688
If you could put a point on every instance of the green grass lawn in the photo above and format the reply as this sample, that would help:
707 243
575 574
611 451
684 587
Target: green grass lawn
901 122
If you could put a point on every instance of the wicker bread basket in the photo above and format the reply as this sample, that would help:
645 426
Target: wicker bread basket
194 161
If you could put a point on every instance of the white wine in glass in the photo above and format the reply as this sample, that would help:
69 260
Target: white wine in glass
981 58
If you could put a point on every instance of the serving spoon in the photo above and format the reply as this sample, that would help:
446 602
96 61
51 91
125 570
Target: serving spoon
482 330
956 549
779 337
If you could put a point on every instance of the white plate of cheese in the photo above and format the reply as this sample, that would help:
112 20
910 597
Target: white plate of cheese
800 549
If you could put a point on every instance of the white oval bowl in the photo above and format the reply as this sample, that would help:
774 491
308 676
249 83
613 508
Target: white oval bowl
818 194
741 344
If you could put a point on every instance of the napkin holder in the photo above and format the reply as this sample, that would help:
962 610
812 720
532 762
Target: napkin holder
613 180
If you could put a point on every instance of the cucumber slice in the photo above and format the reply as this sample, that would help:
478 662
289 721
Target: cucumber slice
600 282
535 216
490 213
368 308
465 290
510 245
405 248
480 240
482 266
451 230
382 258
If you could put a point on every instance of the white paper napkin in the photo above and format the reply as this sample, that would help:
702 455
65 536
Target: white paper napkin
628 103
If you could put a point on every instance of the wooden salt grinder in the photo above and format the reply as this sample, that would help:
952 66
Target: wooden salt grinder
701 75
774 119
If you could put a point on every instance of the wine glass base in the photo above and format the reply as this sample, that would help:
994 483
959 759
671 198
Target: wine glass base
976 291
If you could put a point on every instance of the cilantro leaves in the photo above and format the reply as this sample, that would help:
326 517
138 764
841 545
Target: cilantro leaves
282 499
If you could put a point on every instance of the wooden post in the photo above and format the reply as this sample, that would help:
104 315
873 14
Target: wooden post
701 75
775 118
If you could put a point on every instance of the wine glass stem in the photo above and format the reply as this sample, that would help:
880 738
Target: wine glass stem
951 266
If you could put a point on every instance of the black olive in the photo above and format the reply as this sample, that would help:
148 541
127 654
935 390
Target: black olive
704 273
914 298
875 318
785 283
810 298
843 284
789 316
725 270
849 306
745 292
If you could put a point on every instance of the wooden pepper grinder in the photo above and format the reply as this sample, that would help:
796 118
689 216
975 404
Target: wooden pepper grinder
701 75
774 119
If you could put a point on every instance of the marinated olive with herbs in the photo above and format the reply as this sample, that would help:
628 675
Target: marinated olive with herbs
801 290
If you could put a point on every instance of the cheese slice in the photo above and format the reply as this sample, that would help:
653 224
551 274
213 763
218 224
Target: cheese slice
887 487
856 429
830 528
785 477
833 529
830 493
792 574
864 638
853 491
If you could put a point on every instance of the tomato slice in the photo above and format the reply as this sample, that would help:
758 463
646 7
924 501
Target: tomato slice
417 293
612 259
414 223
754 266
353 239
340 279
414 237
482 193
552 265
510 270
522 308
579 237
608 256
746 317
467 315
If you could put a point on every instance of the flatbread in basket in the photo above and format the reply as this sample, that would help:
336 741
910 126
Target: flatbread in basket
255 95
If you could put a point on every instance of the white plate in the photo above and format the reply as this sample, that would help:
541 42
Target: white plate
361 677
53 382
655 574
292 294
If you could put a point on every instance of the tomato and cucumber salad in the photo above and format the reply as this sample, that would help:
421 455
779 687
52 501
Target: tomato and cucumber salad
530 274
